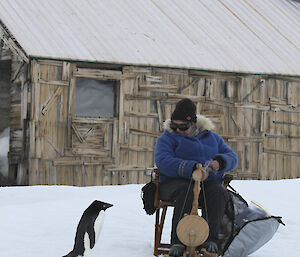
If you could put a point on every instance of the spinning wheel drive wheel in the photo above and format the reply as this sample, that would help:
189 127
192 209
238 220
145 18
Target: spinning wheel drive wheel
192 230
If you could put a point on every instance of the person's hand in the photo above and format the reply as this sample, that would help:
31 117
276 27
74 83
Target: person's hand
215 165
198 166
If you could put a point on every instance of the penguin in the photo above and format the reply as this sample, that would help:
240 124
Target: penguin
88 229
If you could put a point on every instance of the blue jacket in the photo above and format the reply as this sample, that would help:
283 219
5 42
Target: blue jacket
175 154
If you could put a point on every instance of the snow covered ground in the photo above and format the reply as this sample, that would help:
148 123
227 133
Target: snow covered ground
41 221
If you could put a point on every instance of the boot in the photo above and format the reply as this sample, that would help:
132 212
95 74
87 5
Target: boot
208 249
176 250
205 253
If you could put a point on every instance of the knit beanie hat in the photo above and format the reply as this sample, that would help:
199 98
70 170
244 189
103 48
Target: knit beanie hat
185 110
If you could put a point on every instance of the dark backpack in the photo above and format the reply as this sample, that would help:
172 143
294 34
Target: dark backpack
148 195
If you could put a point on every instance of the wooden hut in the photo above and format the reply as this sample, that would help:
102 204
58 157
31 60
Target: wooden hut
91 82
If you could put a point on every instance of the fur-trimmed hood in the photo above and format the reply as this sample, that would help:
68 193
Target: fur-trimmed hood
202 124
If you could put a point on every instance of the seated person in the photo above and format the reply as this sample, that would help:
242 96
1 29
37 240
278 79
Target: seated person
187 141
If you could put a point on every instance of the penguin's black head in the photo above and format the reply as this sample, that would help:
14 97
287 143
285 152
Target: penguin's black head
101 205
106 205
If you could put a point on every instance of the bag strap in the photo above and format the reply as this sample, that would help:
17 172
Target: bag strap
155 178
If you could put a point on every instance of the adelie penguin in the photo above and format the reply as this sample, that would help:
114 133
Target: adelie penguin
88 229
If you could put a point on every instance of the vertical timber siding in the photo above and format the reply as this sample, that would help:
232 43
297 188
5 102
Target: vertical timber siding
258 116
5 71
17 121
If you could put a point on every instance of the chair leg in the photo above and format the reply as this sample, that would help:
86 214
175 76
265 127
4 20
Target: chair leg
160 248
156 235
162 222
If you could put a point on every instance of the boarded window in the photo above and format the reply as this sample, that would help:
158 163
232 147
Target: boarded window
95 98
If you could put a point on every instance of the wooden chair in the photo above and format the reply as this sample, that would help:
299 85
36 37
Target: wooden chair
159 247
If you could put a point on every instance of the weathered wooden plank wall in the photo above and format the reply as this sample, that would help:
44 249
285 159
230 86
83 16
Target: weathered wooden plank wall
258 116
5 71
17 120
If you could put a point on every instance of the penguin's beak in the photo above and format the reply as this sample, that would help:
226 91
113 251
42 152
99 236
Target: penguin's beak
107 205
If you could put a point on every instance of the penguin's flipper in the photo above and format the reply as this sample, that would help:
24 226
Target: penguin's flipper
92 236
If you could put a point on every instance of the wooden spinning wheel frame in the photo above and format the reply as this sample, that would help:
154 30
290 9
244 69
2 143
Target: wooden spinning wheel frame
193 230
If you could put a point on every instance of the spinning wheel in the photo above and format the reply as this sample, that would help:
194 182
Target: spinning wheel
192 230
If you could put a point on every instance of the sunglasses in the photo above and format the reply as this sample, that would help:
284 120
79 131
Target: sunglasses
182 127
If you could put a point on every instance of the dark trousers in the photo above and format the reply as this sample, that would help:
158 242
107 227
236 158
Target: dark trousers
213 196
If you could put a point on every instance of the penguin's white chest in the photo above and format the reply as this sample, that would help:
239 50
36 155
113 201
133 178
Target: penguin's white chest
97 228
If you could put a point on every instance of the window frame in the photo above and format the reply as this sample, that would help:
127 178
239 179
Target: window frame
102 75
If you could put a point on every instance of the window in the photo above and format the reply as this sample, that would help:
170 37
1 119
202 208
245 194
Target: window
96 98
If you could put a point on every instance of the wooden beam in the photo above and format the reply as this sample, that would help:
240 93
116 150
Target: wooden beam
6 37
290 136
101 74
283 136
145 133
144 97
74 162
232 138
210 113
125 168
17 72
138 114
234 119
159 87
98 162
286 108
97 72
115 145
156 79
67 162
181 96
66 71
51 101
261 83
287 123
292 96
171 71
191 84
160 115
50 62
92 120
77 133
136 148
252 175
263 107
88 133
283 152
88 151
230 88
220 75
287 78
169 96
55 83
53 146
275 100
134 69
